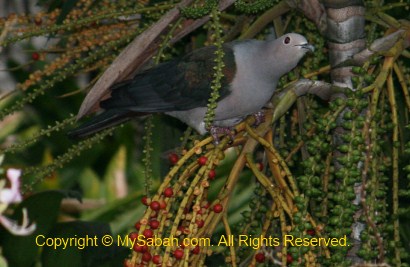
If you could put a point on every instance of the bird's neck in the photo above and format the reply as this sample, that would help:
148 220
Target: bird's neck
258 56
269 62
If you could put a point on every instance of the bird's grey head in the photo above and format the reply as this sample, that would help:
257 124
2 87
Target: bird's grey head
288 50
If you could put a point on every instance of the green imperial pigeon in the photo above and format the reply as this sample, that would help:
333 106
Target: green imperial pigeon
181 87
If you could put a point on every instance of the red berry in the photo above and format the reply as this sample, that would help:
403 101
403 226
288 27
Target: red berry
289 258
35 56
146 256
181 228
260 257
148 233
133 235
202 160
157 259
140 248
200 223
137 225
154 224
168 192
196 250
178 254
173 158
155 205
162 205
218 208
137 248
260 166
211 174
311 232
144 200
206 205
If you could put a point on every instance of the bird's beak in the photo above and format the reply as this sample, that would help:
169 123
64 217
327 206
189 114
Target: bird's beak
309 47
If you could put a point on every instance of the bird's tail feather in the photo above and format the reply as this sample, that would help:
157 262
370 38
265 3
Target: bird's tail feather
100 122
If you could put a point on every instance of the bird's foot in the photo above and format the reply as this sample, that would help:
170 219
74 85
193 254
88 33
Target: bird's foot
215 131
259 118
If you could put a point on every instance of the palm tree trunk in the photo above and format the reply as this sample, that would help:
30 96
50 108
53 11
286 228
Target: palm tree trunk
345 33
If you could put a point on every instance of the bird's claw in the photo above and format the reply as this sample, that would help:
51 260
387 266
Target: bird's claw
216 131
259 118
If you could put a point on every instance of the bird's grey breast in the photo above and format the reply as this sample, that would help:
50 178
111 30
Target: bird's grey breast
251 88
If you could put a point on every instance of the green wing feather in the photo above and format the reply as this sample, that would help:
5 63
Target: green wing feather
175 85
180 84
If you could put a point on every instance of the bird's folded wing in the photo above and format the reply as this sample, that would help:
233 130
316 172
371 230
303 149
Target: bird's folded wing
175 85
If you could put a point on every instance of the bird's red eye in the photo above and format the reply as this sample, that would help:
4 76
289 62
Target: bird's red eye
287 40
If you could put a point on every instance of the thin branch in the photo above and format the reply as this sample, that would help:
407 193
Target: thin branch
265 19
395 174
7 27
313 10
383 45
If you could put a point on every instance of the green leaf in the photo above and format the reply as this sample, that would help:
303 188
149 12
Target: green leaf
3 262
113 210
90 184
42 208
11 124
86 247
115 176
